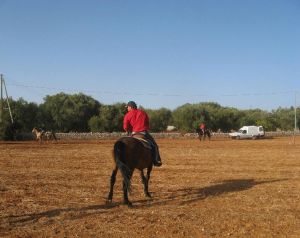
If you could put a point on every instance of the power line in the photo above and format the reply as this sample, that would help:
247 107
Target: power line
154 94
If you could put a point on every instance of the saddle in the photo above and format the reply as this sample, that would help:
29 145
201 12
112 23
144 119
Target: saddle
149 144
145 142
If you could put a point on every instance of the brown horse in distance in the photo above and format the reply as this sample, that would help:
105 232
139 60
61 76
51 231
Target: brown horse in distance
38 134
42 135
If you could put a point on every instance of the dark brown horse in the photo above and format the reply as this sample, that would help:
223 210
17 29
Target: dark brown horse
50 135
129 154
202 135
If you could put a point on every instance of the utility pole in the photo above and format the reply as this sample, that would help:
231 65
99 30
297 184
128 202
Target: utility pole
295 110
295 116
1 99
3 86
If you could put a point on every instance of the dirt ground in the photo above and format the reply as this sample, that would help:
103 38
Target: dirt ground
218 188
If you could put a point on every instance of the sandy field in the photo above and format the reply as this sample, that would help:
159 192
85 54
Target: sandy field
217 188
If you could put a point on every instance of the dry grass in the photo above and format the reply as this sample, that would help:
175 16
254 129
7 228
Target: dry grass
204 189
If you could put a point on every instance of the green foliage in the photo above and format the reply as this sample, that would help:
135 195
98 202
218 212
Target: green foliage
285 118
188 117
159 119
227 119
69 112
110 118
25 114
78 112
6 130
24 118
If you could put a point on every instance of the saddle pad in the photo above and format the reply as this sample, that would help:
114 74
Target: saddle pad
145 142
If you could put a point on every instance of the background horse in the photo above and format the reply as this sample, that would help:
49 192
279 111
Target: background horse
42 135
202 135
38 134
50 135
130 154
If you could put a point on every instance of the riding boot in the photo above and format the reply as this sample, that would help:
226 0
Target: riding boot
156 157
155 153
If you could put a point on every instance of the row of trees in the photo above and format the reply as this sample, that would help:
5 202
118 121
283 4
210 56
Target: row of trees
81 113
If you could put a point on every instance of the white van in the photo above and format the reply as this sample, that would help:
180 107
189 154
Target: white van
246 132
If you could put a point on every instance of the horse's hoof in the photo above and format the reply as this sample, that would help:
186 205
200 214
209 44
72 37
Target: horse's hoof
108 201
129 204
148 195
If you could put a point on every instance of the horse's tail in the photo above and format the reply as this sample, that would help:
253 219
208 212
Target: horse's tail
119 153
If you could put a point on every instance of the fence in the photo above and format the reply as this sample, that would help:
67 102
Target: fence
171 135
175 135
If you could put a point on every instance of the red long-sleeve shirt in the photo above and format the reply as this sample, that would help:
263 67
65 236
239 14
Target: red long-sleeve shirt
202 126
136 120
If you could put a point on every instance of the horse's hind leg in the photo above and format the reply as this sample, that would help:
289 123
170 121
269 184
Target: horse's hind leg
125 192
145 181
112 183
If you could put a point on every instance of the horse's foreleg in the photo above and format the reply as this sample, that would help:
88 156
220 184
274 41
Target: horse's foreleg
112 183
145 181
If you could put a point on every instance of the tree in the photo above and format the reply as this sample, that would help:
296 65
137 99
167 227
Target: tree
188 117
227 119
25 117
159 119
78 112
285 118
110 118
70 112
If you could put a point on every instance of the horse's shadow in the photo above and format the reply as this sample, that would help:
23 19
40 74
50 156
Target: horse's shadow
80 212
194 194
183 196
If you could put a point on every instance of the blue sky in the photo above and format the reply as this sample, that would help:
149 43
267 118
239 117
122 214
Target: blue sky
242 54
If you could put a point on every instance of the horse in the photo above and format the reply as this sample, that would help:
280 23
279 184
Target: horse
130 153
50 135
42 135
39 134
202 135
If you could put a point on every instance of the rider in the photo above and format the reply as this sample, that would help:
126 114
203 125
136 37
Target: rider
136 121
202 126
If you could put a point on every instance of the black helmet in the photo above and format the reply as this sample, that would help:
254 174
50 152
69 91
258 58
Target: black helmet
132 104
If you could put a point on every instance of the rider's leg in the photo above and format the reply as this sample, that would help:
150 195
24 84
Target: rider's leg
155 151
